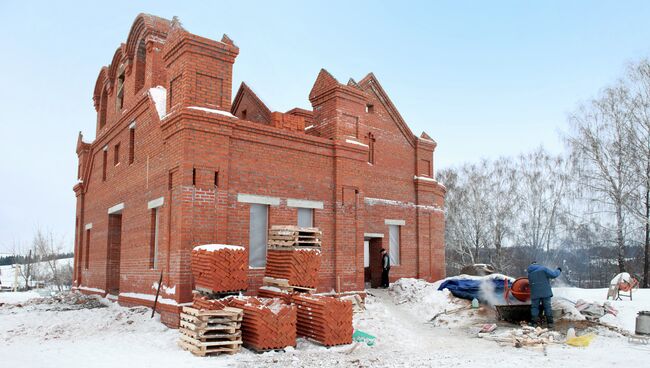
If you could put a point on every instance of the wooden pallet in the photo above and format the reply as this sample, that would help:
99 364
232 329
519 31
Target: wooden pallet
283 284
205 332
209 350
293 243
216 295
639 339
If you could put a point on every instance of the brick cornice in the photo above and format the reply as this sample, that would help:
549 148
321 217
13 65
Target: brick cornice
202 46
183 119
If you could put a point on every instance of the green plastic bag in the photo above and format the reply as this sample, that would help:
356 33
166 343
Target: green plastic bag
360 336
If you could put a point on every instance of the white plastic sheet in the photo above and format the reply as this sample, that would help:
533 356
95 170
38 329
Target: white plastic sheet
257 235
393 245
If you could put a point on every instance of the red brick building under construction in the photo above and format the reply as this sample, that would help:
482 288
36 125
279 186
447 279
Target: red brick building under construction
177 162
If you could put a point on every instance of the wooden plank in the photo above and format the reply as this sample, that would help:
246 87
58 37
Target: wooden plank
209 334
209 343
225 312
216 327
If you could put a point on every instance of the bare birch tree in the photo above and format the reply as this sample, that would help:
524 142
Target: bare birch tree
638 104
600 142
543 182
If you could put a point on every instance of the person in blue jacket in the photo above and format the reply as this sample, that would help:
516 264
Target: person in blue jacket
540 291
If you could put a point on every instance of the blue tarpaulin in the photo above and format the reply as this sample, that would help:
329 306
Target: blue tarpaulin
486 289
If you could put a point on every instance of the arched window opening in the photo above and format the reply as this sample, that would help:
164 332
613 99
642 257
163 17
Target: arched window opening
140 65
102 109
120 88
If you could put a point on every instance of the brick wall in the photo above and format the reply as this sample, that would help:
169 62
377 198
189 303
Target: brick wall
198 169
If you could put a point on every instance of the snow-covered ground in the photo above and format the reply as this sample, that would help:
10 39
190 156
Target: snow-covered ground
43 333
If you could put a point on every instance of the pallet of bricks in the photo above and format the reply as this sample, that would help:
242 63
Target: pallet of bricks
220 269
269 323
292 266
326 320
293 258
205 332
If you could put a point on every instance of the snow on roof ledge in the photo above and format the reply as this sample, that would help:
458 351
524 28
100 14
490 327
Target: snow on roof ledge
212 111
216 247
352 141
159 97
424 178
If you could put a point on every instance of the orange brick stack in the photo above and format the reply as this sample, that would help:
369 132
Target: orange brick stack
268 323
324 319
299 266
204 303
220 268
293 256
275 292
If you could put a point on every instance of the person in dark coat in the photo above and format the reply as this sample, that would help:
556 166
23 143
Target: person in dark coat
385 268
540 291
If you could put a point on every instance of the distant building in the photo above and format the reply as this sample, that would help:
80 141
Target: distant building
177 162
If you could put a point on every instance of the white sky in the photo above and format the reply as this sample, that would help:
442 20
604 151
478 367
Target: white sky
482 79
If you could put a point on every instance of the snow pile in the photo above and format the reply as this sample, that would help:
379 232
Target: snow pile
65 301
216 247
159 97
568 308
17 297
425 301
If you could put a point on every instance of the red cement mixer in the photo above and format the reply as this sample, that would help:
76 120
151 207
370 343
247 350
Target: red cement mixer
520 289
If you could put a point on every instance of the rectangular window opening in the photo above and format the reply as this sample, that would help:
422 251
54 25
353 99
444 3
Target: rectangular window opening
216 178
371 148
153 240
193 176
257 235
370 108
393 245
305 217
104 163
86 261
116 154
131 145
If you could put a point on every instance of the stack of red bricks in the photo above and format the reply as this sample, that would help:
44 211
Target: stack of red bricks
204 303
268 323
324 319
294 255
219 268
268 291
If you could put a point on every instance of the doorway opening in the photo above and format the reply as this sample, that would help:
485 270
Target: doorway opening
372 261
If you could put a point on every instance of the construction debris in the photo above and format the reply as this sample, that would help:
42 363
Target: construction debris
206 332
526 336
219 268
324 319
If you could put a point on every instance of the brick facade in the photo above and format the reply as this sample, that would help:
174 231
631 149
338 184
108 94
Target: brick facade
190 164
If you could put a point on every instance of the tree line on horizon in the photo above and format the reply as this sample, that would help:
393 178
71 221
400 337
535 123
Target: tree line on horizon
586 210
